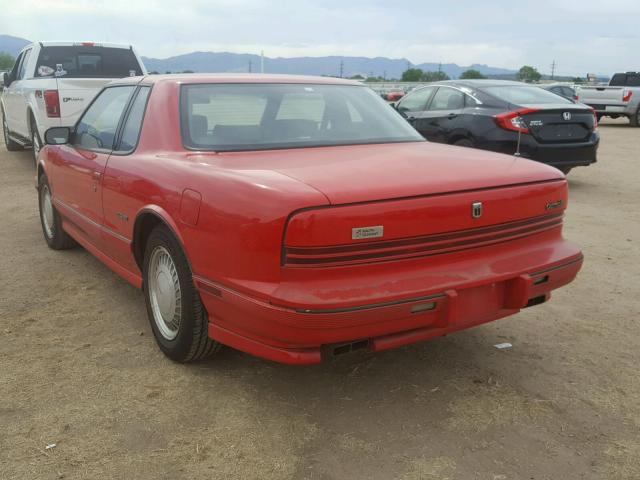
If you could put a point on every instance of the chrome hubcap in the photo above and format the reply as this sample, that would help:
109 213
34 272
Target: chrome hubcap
164 292
46 208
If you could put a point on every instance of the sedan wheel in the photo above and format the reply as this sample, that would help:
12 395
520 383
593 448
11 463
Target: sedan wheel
176 314
165 293
54 234
46 209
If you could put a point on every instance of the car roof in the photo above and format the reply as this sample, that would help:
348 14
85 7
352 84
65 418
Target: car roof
82 43
196 78
482 83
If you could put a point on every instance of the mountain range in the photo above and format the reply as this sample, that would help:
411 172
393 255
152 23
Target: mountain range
215 62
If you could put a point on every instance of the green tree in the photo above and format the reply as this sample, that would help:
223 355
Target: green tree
578 80
188 71
434 77
471 74
412 75
356 77
6 61
529 74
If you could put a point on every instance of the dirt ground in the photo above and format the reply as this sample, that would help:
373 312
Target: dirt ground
79 368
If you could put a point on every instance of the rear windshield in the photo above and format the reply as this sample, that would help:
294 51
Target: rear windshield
525 94
228 117
90 61
625 80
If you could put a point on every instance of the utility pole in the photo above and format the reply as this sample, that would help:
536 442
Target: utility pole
249 66
553 69
262 61
408 64
440 67
384 75
341 68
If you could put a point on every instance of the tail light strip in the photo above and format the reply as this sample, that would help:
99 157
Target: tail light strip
417 246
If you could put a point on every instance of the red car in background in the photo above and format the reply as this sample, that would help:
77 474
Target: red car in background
395 96
292 217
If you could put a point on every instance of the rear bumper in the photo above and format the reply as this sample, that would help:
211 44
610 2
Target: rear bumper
482 290
557 155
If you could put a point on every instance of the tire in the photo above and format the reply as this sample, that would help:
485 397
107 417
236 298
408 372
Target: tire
169 293
464 142
634 120
599 116
11 145
36 142
54 235
565 170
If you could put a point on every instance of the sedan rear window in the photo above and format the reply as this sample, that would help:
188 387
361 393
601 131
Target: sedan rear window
228 117
80 61
525 94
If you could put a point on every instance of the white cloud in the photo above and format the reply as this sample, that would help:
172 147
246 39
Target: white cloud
580 35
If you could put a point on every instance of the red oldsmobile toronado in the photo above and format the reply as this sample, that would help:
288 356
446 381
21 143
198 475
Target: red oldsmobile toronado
297 217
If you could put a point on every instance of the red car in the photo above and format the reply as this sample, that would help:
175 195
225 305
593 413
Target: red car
295 217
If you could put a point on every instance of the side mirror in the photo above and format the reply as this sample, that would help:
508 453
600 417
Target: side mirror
6 79
57 136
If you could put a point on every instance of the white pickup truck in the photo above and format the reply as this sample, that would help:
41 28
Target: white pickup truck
620 99
51 83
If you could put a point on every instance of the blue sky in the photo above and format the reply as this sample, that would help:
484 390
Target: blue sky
580 35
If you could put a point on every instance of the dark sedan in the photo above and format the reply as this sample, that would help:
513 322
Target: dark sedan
506 117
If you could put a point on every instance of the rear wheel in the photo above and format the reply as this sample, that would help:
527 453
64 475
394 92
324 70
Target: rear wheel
11 145
464 142
54 235
177 316
36 143
565 170
635 119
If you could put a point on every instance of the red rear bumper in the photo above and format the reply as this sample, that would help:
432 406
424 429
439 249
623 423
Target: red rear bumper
478 287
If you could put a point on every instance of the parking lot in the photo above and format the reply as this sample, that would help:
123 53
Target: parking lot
81 370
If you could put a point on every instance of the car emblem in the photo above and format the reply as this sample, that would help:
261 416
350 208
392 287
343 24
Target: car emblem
367 232
476 209
566 116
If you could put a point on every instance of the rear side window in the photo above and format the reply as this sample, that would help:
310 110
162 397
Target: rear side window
96 130
133 124
447 99
416 101
90 61
633 80
524 95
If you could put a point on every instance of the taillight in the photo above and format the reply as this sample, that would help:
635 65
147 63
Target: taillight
626 95
595 119
514 121
52 103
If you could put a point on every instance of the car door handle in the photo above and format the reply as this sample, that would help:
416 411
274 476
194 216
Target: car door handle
97 175
452 115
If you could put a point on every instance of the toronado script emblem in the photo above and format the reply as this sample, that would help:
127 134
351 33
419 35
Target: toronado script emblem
476 209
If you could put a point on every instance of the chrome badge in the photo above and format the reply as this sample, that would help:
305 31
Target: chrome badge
367 232
566 116
476 209
552 205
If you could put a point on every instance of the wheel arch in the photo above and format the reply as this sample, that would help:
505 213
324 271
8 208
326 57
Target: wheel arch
146 220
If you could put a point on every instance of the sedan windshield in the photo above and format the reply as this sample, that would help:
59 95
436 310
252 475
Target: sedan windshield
523 95
232 117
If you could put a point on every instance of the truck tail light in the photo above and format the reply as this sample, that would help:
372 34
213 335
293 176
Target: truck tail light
514 120
626 95
52 103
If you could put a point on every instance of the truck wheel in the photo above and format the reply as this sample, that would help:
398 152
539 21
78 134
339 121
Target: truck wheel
36 143
177 316
565 170
54 235
635 118
11 145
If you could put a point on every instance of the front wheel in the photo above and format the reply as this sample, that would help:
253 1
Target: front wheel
54 235
177 316
11 145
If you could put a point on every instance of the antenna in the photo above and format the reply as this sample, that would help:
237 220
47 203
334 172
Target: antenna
517 154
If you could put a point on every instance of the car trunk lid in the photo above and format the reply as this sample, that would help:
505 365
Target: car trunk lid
559 123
